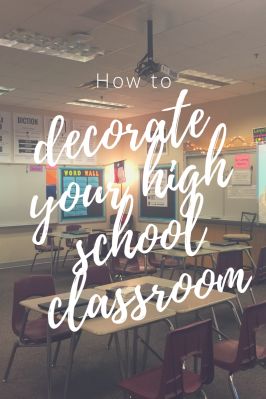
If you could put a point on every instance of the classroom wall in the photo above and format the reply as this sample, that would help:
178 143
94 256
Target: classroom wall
137 159
241 114
16 242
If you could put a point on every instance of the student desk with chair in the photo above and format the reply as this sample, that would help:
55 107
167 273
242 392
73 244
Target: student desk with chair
210 251
101 326
83 234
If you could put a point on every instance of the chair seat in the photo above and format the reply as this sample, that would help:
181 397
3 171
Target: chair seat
48 248
147 384
225 353
168 262
237 237
36 331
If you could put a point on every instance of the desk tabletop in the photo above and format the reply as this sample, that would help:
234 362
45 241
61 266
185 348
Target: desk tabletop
82 234
181 253
99 325
190 304
227 248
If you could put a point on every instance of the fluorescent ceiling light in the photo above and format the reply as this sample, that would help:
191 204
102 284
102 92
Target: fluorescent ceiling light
5 90
75 47
86 102
94 84
204 80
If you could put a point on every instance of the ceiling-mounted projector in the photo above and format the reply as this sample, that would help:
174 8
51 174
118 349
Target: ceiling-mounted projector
146 67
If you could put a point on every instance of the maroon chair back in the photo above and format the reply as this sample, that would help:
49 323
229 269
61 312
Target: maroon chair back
69 228
91 241
151 255
225 260
33 286
98 275
194 339
261 266
254 317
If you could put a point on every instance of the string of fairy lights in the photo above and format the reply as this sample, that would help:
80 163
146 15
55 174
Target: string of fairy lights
236 142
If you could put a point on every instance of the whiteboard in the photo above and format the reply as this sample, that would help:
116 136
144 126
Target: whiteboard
217 201
18 186
212 206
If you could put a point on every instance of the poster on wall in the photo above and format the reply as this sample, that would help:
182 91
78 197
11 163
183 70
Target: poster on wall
261 184
82 126
85 178
5 136
152 199
28 130
153 207
66 129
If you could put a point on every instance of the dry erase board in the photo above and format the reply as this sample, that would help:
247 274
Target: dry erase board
83 177
19 183
239 195
154 208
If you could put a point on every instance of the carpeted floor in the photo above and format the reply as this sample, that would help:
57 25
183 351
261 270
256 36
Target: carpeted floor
95 372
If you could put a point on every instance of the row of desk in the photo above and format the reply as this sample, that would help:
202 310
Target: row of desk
179 254
100 326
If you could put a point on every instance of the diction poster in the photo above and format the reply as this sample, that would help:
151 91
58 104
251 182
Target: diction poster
28 130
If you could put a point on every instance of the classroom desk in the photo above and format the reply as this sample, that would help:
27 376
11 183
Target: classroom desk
211 251
60 235
236 247
100 326
191 304
181 255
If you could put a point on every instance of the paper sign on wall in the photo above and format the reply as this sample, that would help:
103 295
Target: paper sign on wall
242 161
28 130
5 136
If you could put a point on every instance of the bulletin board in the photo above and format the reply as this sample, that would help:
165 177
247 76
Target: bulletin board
83 177
157 209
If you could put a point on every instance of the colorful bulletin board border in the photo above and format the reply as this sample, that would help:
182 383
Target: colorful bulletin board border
82 176
159 210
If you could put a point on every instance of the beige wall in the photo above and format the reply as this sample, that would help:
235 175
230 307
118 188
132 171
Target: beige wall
16 242
241 114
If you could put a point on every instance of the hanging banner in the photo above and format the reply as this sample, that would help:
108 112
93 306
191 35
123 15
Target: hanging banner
119 172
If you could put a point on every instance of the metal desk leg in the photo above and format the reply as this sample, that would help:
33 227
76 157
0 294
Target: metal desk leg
127 355
235 313
72 346
119 356
254 266
145 264
216 323
58 254
145 349
135 351
49 361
